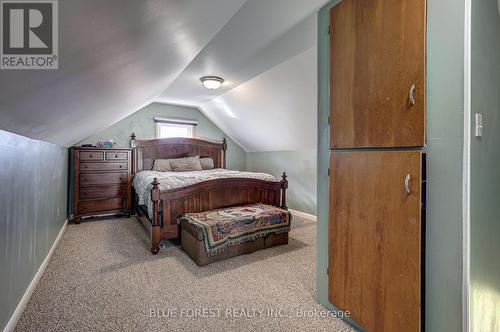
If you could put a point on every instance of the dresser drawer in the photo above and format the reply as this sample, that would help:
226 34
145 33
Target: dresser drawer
91 179
91 155
116 155
90 167
101 205
102 192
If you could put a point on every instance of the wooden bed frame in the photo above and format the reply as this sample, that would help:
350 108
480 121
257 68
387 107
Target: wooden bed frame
204 196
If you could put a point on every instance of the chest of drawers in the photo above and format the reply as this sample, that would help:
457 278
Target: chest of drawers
101 182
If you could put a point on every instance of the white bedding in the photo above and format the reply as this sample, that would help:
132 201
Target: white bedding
171 180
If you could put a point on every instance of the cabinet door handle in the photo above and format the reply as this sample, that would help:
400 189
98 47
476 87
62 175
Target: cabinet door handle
407 184
411 95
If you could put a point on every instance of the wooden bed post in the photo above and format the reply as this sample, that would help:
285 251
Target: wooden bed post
224 148
284 187
133 141
133 145
155 227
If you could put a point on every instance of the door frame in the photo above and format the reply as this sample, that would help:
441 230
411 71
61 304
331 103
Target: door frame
466 169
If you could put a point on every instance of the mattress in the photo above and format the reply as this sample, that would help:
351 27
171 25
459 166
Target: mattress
172 180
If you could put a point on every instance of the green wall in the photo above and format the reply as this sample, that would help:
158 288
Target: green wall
323 157
445 106
300 166
33 191
484 175
141 123
445 113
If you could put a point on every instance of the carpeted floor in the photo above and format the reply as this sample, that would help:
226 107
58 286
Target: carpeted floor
103 277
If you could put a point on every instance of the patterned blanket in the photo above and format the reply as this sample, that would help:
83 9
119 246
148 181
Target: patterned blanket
231 226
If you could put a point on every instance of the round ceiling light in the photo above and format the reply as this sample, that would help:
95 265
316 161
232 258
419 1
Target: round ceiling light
211 82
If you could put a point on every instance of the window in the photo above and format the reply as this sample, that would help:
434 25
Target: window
174 128
164 130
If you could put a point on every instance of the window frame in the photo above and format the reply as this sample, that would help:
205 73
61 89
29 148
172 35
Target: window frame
161 122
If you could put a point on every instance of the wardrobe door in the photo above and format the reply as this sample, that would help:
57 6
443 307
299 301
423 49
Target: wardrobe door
377 65
374 238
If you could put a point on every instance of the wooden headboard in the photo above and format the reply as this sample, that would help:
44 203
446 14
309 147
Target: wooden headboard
147 151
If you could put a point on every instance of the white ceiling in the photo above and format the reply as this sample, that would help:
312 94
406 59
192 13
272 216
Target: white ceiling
261 35
275 111
267 55
117 56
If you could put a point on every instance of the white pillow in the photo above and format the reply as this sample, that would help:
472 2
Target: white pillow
207 163
162 165
186 164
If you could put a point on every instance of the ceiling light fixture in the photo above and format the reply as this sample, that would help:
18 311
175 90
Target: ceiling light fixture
211 82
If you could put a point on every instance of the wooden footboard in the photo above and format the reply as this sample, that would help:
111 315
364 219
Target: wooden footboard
208 195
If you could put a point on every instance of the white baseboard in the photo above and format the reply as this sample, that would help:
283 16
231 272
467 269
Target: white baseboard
302 215
11 324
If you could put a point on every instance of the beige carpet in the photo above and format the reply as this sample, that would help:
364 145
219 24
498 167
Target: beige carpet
103 277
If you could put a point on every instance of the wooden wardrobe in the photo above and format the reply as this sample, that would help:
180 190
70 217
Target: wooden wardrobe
377 133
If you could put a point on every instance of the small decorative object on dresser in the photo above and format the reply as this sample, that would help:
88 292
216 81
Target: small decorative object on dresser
101 181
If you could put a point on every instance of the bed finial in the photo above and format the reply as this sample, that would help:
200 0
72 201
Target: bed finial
284 187
155 183
132 141
224 148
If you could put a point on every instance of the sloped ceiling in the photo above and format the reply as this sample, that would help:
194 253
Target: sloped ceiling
267 55
261 35
275 111
115 56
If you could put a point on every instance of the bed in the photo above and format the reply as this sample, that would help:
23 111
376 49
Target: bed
162 197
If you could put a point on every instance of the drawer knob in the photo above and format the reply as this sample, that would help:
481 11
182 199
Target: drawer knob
90 155
86 166
121 166
116 156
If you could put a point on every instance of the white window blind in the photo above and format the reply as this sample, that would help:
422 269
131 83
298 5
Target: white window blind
166 128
